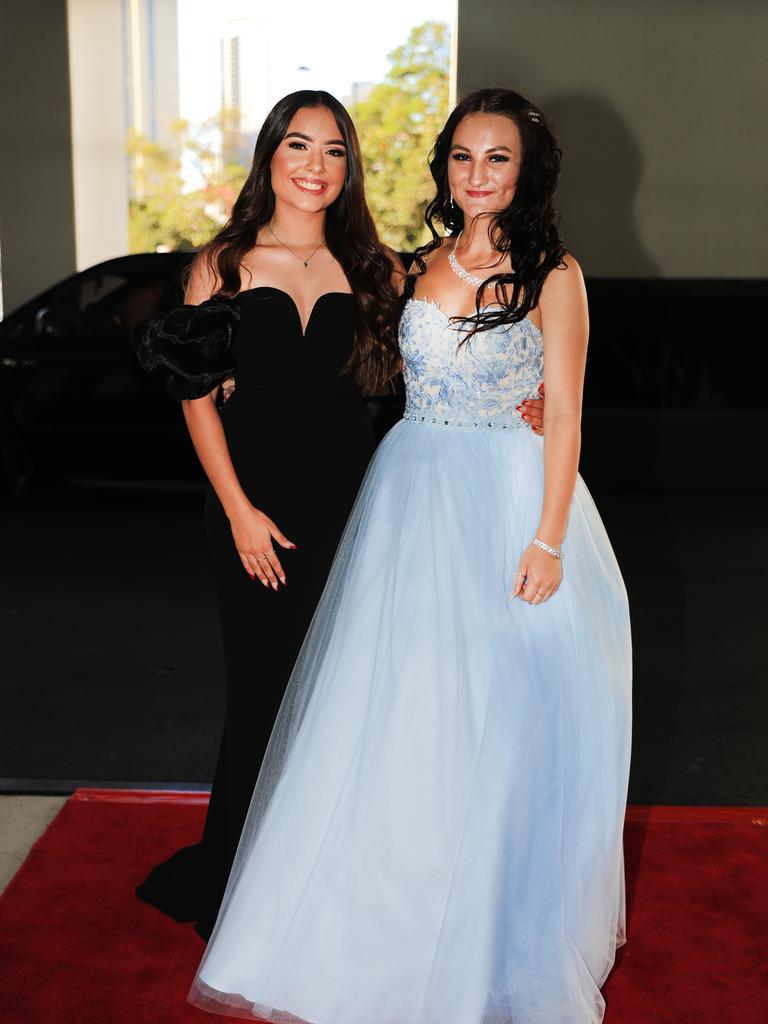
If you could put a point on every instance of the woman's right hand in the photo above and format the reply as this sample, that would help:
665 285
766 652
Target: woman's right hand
254 533
532 411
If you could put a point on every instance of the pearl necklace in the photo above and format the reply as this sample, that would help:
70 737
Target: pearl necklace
457 268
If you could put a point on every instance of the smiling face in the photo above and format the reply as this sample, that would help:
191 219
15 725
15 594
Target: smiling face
309 166
484 163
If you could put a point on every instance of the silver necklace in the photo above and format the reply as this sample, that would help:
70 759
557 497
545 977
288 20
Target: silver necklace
457 268
293 251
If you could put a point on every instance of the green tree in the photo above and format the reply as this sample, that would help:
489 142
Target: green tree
397 123
163 210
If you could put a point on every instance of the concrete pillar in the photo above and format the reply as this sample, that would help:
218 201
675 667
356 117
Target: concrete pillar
97 84
37 229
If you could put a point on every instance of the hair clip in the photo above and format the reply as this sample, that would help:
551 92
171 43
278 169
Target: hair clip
534 115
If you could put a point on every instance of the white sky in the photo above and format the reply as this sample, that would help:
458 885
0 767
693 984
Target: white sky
341 41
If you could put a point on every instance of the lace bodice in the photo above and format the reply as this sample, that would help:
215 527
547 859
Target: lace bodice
476 386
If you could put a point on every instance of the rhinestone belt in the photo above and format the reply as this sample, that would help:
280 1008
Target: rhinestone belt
465 423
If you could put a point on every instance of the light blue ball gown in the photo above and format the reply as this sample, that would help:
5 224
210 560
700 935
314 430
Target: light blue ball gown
436 833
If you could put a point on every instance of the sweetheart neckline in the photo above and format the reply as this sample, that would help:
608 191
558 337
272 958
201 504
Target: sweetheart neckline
436 306
304 327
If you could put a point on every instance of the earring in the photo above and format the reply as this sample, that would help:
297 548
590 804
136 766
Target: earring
452 204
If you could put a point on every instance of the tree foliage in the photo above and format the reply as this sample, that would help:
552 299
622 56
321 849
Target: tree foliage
397 124
164 212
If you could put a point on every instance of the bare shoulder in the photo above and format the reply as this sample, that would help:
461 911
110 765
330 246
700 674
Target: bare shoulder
203 280
563 303
441 247
565 281
436 254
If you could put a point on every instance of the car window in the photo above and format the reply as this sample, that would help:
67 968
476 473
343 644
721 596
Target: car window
95 289
100 308
68 303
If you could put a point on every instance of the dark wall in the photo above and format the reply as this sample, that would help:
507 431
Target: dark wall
660 111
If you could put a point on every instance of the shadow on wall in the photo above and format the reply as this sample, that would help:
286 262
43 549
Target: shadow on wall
602 171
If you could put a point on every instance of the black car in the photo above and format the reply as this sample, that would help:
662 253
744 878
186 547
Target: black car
659 409
74 401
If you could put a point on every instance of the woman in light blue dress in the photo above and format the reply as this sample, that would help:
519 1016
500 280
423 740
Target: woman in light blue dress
435 836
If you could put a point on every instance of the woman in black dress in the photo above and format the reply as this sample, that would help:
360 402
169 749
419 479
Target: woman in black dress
295 303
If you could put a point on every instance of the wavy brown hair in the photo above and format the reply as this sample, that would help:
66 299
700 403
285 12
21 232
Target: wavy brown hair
526 231
350 235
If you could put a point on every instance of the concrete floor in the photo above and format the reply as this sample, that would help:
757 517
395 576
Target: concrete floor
23 819
111 668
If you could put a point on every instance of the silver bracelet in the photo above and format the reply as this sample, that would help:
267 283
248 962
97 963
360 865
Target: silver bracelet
545 547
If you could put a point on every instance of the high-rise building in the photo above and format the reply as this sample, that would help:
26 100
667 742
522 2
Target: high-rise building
245 84
150 53
359 93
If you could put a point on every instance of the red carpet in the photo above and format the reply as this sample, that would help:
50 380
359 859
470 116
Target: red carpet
76 947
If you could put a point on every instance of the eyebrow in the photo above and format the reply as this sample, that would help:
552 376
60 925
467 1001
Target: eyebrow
493 149
308 138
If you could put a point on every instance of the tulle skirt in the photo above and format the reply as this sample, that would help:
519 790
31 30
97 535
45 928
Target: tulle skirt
436 833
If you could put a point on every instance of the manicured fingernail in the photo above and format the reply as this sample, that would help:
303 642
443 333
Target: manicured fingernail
293 547
282 579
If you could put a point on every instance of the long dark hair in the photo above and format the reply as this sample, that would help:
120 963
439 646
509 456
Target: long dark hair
350 235
526 230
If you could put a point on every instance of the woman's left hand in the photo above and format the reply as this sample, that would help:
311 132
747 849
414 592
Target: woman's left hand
538 576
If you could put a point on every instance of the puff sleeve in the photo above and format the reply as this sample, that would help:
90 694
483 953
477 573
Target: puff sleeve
190 347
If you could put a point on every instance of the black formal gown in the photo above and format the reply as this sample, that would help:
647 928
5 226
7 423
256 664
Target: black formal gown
300 438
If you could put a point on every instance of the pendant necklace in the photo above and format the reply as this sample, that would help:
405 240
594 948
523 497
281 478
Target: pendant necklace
293 251
457 268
